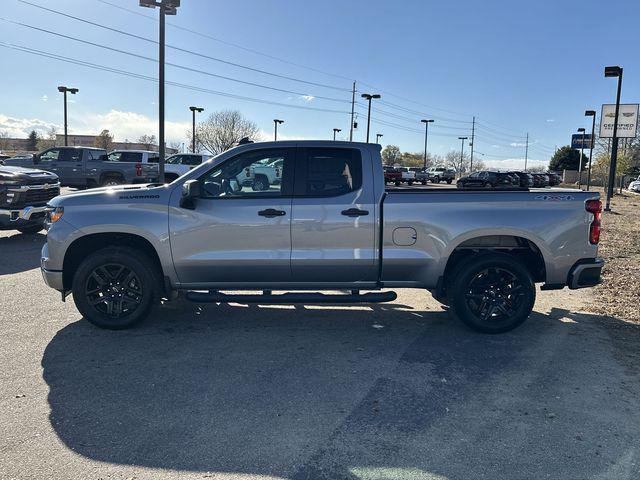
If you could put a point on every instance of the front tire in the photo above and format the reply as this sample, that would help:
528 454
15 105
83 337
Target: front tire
116 287
111 181
493 293
30 230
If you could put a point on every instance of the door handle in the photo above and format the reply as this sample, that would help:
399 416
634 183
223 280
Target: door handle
271 213
355 212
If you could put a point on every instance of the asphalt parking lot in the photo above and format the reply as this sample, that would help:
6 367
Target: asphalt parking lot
386 392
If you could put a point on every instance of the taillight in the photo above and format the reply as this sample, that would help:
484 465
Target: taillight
138 169
594 207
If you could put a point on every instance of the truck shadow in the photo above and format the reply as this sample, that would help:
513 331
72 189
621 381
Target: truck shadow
20 252
382 392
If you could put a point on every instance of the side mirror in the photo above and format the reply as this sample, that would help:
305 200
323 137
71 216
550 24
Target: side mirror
35 159
190 192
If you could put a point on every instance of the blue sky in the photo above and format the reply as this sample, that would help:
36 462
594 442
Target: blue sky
517 66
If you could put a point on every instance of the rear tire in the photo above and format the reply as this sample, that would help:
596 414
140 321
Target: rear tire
449 181
260 183
492 293
111 181
116 287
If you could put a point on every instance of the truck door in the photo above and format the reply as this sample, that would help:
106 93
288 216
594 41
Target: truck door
333 223
235 234
70 166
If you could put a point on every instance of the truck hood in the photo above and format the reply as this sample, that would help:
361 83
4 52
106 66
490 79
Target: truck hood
144 193
27 176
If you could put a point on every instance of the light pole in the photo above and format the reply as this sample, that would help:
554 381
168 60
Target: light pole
426 133
378 136
72 91
275 133
336 130
369 97
591 113
167 7
615 71
193 134
581 130
462 139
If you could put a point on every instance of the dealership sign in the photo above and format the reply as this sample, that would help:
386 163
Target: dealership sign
578 143
627 121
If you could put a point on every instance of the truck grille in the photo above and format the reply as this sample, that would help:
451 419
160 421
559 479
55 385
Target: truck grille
34 197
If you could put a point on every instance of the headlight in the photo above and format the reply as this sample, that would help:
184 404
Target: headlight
55 214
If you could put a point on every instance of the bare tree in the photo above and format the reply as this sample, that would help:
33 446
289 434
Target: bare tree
4 140
104 140
148 141
452 160
390 154
50 141
224 129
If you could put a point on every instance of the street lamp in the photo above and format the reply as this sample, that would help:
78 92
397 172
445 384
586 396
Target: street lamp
615 71
64 90
591 113
193 135
462 151
167 7
336 130
426 132
276 122
581 130
369 97
378 136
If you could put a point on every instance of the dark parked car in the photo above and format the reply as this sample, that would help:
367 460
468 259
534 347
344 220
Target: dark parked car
525 179
540 180
554 179
24 193
488 179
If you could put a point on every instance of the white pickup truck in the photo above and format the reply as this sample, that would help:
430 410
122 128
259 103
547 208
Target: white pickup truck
329 225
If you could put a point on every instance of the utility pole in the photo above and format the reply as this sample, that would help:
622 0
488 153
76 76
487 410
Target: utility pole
526 152
473 136
591 113
353 106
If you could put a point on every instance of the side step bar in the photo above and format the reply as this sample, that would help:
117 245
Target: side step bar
289 298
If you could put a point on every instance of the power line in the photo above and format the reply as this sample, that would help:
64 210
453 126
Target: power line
155 80
184 50
182 67
226 42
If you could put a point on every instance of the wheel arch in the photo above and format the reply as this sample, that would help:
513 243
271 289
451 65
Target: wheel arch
532 252
83 246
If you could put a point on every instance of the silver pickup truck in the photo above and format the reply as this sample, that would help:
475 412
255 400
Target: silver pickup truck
328 226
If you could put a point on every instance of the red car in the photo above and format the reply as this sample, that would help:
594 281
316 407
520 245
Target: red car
391 175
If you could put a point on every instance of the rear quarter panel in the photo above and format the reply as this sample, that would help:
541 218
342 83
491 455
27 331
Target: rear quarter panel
555 221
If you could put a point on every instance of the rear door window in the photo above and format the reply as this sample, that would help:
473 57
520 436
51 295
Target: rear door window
329 172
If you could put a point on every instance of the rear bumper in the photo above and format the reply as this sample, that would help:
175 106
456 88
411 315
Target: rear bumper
585 273
15 218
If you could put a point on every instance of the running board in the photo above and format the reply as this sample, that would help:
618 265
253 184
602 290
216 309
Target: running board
289 298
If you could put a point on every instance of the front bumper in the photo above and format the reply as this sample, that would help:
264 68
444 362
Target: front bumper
15 218
585 273
53 278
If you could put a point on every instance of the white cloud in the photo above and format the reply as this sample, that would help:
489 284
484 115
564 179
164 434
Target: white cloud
44 97
131 125
307 98
551 120
20 127
516 144
496 146
514 163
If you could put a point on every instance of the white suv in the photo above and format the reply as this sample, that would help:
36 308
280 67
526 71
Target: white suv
177 165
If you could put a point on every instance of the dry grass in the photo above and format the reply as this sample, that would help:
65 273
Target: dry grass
619 293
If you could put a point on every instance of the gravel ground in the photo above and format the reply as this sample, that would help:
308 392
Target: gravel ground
619 294
387 392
